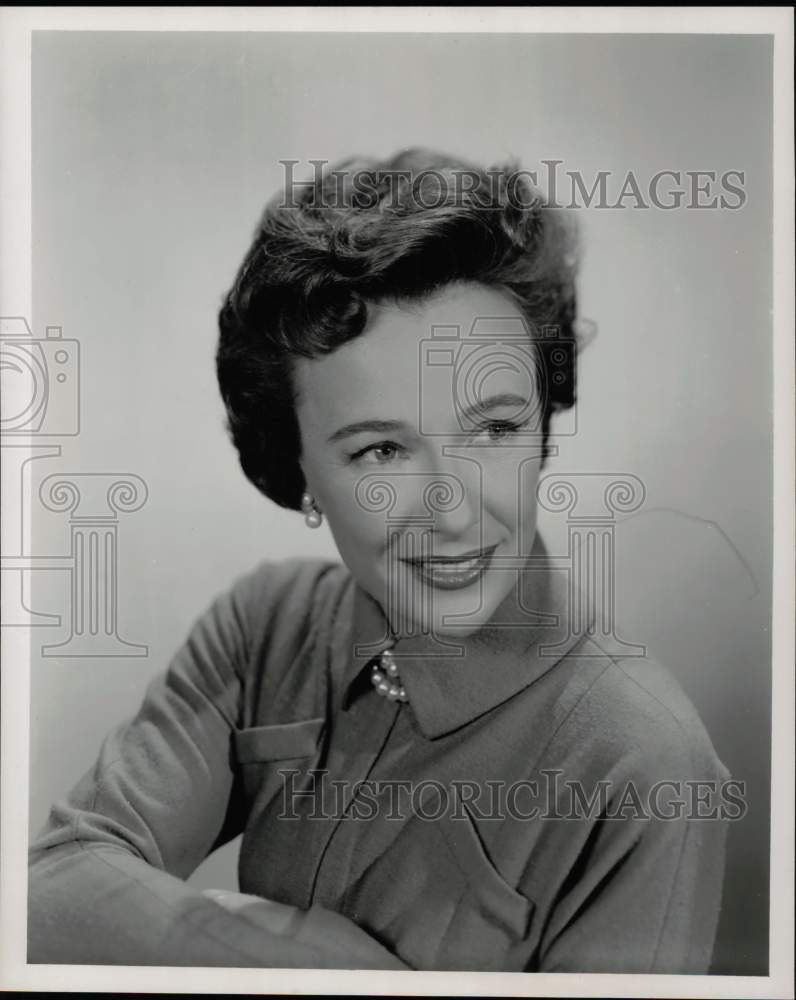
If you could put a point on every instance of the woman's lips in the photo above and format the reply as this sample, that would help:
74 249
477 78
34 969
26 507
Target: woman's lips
452 572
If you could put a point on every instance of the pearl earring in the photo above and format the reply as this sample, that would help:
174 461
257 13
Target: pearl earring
313 518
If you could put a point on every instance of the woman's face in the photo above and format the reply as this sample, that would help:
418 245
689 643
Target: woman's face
421 444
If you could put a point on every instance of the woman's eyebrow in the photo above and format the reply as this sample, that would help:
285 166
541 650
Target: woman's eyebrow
508 399
372 426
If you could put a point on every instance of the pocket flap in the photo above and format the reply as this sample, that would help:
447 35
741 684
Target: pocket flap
280 742
504 902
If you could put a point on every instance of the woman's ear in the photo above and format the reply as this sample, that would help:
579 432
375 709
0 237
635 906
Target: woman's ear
306 488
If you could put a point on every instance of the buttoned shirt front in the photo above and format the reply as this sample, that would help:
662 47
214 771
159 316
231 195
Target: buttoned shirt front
510 815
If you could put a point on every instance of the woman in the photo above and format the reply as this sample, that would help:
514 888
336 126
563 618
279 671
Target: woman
430 768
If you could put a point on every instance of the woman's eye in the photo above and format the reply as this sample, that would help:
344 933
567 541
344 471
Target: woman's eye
378 454
499 430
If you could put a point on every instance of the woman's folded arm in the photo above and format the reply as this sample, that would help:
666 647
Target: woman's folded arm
102 905
106 883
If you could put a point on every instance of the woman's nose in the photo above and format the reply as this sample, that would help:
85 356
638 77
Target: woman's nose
453 496
444 497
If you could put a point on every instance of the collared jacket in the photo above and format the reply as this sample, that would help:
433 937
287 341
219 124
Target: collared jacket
535 805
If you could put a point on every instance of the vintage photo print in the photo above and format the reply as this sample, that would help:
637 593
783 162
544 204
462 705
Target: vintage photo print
397 452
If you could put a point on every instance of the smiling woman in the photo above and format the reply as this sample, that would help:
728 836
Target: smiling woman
484 458
388 734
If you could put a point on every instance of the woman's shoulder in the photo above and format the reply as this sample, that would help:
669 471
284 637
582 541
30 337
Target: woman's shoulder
275 603
272 578
290 591
637 712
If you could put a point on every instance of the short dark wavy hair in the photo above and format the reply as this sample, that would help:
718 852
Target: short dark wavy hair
369 231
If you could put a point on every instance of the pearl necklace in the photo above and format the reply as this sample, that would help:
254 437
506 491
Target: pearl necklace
384 677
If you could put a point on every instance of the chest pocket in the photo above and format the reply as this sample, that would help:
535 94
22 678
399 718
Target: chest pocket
280 742
492 919
437 898
262 752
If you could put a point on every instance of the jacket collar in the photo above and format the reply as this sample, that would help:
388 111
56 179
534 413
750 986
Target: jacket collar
451 685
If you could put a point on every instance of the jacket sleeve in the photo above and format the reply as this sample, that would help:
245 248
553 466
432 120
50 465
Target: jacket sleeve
106 876
644 891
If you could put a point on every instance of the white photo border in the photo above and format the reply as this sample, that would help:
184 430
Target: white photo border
16 27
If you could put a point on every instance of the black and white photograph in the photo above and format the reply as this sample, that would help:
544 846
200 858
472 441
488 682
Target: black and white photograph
397 501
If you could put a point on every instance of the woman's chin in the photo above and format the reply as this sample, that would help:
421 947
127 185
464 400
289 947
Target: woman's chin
447 612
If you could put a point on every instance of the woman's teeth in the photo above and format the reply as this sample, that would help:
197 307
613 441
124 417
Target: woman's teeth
452 574
453 567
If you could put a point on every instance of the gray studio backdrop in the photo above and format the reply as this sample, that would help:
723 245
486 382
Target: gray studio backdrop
153 155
